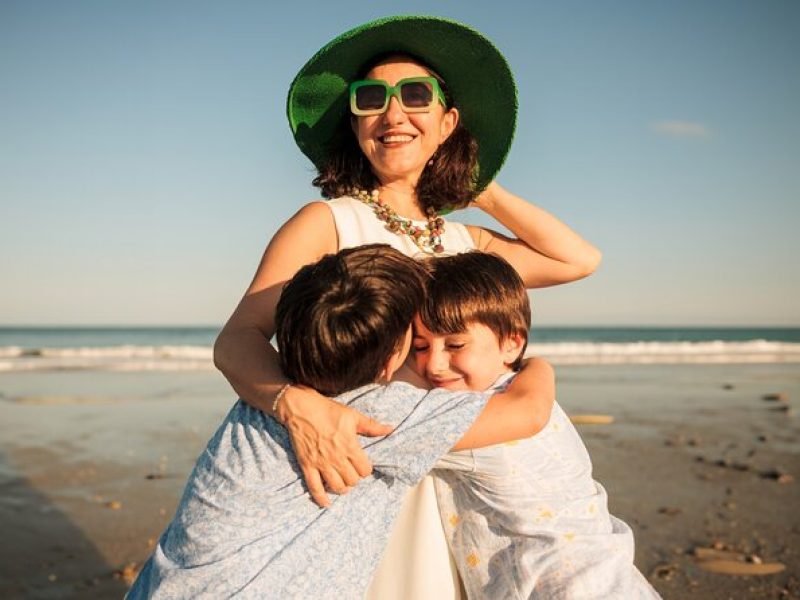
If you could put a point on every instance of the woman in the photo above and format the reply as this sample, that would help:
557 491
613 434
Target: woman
404 118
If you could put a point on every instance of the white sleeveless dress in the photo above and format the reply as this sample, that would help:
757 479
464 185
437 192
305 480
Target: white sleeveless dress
416 564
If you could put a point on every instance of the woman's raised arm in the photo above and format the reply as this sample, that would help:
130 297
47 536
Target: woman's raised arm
323 432
547 252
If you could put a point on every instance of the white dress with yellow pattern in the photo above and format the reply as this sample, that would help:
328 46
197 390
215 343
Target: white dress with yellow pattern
525 519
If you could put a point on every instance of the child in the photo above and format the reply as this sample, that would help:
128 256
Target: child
246 525
523 519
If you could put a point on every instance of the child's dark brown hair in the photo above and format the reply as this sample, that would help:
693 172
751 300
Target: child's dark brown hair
339 320
476 287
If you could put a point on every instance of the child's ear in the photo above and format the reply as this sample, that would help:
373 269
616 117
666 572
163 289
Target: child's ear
389 368
511 347
397 358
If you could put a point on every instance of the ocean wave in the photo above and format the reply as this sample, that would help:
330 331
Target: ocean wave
711 352
107 358
200 358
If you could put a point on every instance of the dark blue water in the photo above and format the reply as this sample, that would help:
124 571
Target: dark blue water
98 337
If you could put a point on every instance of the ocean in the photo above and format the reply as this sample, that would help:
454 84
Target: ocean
190 348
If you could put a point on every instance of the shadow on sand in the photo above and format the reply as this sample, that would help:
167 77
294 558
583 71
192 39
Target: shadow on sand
44 555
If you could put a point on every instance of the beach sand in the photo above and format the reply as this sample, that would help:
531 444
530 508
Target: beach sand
92 465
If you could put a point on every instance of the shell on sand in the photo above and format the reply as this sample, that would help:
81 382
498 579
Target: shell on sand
737 567
591 419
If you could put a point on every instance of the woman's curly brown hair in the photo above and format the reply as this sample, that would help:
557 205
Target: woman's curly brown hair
448 180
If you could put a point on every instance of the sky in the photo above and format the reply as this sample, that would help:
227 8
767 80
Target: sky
146 160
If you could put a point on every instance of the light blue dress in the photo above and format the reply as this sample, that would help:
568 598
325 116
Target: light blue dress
525 519
246 525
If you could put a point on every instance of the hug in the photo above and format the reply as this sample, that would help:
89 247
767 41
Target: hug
523 517
406 119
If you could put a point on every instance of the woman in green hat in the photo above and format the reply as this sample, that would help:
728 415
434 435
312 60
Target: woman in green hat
405 118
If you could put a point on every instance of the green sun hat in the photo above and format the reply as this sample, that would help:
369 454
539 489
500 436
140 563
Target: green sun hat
476 73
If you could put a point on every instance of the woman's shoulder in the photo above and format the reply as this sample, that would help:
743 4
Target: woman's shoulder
313 225
312 207
343 202
336 206
316 212
344 219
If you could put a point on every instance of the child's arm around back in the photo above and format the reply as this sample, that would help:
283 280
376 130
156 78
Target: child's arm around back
521 411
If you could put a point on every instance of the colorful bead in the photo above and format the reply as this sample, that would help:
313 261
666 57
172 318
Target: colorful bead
428 239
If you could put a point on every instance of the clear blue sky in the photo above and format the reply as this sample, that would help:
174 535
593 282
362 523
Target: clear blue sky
145 159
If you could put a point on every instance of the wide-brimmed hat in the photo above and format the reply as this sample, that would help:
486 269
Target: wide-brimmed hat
475 72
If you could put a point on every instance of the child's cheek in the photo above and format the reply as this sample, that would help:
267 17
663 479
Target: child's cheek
417 362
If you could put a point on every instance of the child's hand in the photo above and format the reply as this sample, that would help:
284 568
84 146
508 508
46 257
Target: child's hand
324 436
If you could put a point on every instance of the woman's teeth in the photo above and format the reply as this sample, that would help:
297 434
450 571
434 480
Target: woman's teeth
396 139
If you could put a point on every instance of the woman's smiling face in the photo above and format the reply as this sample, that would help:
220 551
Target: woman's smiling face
399 145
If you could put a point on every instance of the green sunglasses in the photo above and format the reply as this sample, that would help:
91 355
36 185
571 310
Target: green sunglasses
415 95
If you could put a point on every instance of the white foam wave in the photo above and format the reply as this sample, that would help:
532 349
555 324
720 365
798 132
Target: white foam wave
10 351
110 358
712 352
199 358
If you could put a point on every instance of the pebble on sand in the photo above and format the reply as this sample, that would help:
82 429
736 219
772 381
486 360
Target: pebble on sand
664 571
778 475
670 511
127 573
114 504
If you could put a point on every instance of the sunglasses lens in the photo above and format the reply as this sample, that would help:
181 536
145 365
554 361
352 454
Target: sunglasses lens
417 94
370 97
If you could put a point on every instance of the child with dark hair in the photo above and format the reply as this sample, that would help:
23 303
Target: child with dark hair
524 519
246 524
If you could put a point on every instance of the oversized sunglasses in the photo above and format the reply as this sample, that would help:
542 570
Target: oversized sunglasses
415 95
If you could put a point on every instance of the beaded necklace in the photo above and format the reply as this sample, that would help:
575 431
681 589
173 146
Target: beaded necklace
428 238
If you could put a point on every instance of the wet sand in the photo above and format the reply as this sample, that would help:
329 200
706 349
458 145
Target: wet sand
92 465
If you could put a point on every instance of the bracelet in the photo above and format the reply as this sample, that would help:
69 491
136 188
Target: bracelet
281 394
